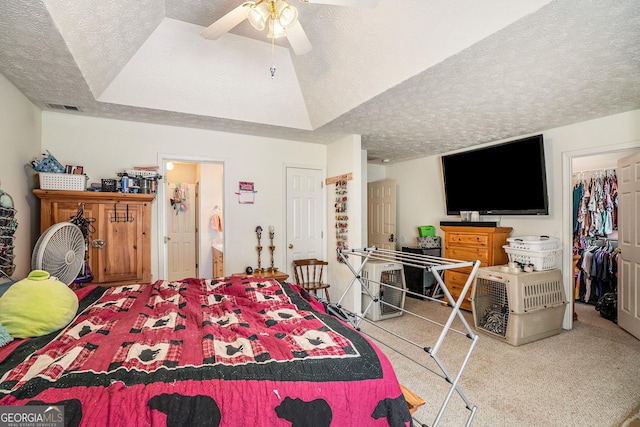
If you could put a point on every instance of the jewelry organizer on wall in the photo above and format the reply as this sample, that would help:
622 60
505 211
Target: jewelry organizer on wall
341 206
441 332
8 225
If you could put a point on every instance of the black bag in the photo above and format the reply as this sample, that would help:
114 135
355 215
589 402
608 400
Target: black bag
608 306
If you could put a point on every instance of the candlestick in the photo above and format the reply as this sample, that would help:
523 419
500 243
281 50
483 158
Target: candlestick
271 249
259 248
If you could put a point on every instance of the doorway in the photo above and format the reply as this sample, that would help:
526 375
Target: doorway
203 180
593 161
381 214
182 232
304 215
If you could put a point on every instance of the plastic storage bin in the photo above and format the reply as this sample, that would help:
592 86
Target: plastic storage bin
534 243
518 308
426 230
539 260
62 181
109 185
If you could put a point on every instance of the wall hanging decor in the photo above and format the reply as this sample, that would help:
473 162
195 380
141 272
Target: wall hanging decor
341 208
246 193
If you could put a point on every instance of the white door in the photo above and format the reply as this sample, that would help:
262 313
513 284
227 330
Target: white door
181 232
304 216
381 212
629 243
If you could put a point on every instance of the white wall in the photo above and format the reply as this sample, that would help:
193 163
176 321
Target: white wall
105 147
211 195
345 156
20 128
376 172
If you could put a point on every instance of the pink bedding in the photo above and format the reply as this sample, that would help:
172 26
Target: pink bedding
236 351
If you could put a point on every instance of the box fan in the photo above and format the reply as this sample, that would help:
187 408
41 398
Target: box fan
385 281
60 251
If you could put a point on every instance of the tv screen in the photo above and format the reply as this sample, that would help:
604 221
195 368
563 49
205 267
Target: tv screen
503 179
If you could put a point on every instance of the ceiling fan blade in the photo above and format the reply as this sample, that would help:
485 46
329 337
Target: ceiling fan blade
354 3
226 23
298 39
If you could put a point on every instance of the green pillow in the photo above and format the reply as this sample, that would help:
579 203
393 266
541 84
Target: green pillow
37 306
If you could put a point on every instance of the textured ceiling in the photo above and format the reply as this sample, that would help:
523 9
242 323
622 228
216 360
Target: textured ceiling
414 78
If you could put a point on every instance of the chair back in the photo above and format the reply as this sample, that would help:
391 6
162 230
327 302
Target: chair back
309 272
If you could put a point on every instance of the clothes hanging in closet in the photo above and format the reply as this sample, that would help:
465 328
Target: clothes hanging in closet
597 272
595 206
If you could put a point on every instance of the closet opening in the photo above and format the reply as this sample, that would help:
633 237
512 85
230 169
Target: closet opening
594 227
595 239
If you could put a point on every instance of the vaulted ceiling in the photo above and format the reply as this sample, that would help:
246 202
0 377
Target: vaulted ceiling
413 77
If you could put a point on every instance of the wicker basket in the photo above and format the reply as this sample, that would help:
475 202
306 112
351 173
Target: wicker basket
62 181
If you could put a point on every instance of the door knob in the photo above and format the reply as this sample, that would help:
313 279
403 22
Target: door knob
290 245
392 238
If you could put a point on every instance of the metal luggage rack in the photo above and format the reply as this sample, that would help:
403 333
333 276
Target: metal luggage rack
437 266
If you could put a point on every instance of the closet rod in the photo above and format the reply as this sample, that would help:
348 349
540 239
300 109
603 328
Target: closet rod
595 170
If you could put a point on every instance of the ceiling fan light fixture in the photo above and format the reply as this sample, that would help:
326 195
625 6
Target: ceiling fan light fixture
276 30
258 15
287 15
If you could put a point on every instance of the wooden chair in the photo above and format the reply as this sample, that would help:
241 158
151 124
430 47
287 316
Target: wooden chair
308 274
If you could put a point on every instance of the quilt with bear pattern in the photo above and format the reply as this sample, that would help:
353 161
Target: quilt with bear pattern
233 351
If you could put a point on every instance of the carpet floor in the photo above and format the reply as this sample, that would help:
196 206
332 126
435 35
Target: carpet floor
586 376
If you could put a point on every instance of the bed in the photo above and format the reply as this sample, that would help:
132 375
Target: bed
233 351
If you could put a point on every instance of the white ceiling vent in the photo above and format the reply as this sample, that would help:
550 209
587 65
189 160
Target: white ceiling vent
62 107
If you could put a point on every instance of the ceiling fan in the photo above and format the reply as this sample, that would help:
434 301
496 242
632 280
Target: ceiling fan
278 16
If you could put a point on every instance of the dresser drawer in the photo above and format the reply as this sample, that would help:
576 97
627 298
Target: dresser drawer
468 254
455 282
467 239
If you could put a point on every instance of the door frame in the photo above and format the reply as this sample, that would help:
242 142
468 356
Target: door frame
283 226
567 215
162 198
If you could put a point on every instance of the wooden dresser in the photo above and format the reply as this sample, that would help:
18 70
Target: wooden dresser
119 249
468 243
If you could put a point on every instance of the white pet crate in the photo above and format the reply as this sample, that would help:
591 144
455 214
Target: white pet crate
385 281
518 308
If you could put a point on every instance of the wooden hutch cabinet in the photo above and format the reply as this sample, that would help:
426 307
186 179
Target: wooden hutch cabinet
468 243
119 249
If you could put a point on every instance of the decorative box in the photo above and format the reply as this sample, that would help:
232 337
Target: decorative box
429 242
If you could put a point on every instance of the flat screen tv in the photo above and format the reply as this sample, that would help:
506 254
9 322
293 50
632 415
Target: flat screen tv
504 179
